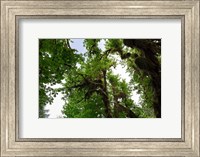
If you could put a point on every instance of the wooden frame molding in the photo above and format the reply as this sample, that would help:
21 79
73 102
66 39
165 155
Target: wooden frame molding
14 10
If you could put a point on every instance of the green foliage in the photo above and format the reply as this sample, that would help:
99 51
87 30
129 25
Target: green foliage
89 86
55 59
114 44
146 68
77 107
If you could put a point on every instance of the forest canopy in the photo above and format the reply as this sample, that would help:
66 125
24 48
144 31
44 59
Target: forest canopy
89 83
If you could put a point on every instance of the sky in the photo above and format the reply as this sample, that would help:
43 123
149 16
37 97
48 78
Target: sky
54 110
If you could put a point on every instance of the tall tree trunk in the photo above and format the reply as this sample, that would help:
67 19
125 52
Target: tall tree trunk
105 97
149 51
118 108
157 97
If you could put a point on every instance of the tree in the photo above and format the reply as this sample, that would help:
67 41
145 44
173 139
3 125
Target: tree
55 59
148 61
90 87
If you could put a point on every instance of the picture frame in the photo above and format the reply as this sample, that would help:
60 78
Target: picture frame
12 11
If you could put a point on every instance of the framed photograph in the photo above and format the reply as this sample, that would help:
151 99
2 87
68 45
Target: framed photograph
100 78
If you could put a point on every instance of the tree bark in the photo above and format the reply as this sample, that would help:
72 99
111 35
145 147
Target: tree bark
149 49
105 97
118 108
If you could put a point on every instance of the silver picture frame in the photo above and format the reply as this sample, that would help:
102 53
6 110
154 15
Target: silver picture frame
14 10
